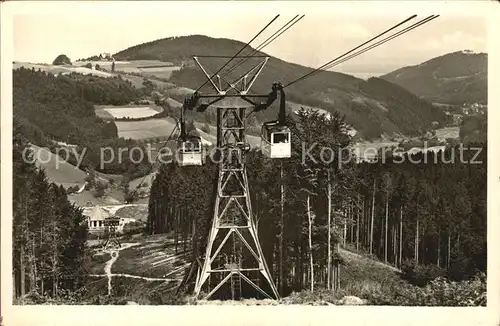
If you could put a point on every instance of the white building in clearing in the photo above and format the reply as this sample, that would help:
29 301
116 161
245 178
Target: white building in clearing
96 216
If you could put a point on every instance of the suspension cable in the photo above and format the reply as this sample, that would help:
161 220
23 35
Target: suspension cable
234 56
387 39
265 43
350 51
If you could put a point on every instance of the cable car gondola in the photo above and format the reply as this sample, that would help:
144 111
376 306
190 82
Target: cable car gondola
189 147
189 151
275 135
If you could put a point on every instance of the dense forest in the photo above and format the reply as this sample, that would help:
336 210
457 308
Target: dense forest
426 215
372 107
50 108
474 129
49 233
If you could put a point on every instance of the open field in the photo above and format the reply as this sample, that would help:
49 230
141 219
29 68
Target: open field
57 169
155 128
161 72
87 198
138 80
146 129
145 67
254 141
120 112
447 132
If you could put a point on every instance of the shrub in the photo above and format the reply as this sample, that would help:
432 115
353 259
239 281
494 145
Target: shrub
72 190
439 292
131 196
100 189
206 128
133 228
61 59
421 275
319 296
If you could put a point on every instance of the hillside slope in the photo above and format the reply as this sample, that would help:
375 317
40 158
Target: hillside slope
373 107
453 78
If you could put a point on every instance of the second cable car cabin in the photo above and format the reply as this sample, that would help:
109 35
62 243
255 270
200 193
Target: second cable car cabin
189 147
275 140
189 151
275 135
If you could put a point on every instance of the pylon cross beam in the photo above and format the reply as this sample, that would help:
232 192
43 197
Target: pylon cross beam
242 79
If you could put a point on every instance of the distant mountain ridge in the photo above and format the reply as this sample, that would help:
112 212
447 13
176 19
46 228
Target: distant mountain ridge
453 78
373 107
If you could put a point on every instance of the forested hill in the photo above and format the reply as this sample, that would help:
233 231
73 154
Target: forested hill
371 107
453 78
49 108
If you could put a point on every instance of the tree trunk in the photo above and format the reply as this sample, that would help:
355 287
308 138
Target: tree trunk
394 247
381 239
417 235
372 218
54 260
345 232
311 262
329 235
33 269
439 249
357 226
386 225
281 230
337 272
185 227
22 269
421 255
351 219
22 249
400 236
449 250
176 228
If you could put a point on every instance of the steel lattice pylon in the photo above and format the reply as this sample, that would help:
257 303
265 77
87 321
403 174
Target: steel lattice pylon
233 263
233 254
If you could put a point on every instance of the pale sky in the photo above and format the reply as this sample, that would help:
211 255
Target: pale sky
319 37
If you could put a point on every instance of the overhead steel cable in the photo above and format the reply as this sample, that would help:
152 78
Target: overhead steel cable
350 51
262 45
387 39
234 56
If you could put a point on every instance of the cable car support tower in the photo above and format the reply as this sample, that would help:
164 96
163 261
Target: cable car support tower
233 264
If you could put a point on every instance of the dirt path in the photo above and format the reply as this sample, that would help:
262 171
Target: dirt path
114 256
350 253
136 276
115 253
